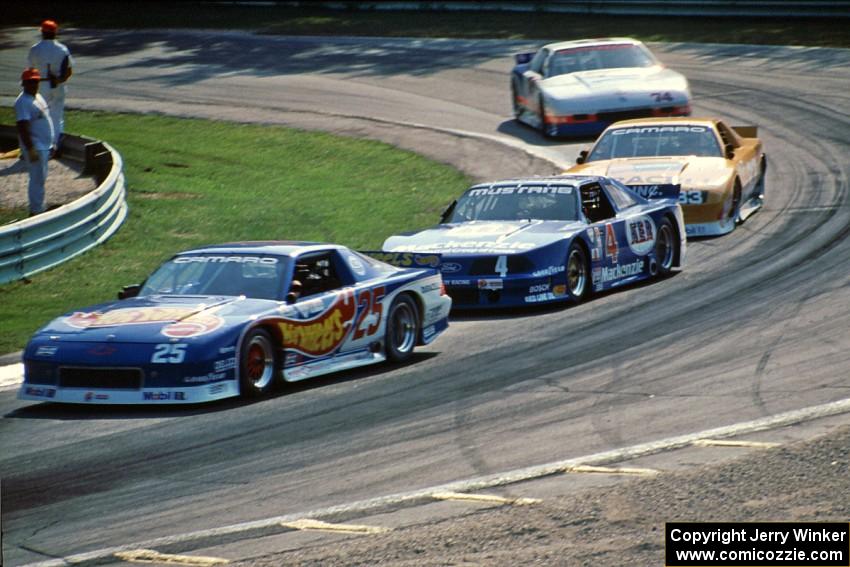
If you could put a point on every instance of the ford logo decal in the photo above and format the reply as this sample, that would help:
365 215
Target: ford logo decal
450 268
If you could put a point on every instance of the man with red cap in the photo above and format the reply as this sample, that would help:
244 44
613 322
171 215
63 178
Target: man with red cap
53 61
35 135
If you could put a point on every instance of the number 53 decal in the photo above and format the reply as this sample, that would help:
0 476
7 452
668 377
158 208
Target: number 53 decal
370 304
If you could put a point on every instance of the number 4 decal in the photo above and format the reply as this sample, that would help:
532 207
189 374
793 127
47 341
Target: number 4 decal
370 304
502 266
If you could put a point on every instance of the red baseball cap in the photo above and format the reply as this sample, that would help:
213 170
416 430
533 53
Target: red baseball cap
49 26
31 74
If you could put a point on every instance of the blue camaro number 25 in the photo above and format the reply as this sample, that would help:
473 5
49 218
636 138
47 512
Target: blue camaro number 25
236 319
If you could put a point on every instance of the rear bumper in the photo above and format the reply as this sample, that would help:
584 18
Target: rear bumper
515 291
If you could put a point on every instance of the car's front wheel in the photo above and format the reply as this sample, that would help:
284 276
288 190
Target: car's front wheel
402 329
735 205
578 273
545 129
258 364
517 107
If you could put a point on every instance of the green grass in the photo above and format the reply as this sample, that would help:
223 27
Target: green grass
194 182
281 19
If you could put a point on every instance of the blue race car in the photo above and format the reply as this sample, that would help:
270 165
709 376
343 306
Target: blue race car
234 319
538 240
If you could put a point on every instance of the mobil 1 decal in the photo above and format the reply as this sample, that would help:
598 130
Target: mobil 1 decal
640 232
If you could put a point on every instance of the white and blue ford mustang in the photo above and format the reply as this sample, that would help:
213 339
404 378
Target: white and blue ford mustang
547 239
578 88
234 319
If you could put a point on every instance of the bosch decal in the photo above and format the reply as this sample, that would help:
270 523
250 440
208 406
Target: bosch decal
225 365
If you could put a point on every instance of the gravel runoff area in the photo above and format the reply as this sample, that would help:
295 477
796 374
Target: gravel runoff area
65 182
619 525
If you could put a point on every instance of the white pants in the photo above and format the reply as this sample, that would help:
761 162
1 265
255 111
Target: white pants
38 175
55 99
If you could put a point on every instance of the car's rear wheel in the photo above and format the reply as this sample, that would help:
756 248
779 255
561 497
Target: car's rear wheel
578 273
258 364
666 243
402 329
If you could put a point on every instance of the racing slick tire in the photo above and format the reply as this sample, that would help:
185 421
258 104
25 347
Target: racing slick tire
517 109
666 244
543 129
402 330
258 364
578 273
758 193
735 208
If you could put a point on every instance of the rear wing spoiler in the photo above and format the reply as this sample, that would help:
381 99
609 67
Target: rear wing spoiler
406 259
657 191
746 131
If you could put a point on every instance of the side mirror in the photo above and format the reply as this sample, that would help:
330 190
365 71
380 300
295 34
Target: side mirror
582 156
447 212
129 291
523 58
729 150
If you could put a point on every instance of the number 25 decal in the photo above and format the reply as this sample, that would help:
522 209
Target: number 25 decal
662 97
169 353
370 303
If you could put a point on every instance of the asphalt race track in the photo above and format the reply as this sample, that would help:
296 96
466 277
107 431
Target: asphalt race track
758 323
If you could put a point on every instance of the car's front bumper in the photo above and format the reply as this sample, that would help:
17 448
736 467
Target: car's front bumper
181 395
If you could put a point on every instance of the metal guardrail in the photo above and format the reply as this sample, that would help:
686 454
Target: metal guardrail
696 8
46 240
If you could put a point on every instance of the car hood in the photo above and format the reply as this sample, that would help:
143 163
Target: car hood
616 88
484 237
689 171
155 318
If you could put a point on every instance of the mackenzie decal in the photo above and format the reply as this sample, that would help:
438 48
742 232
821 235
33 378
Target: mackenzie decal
606 274
185 321
323 334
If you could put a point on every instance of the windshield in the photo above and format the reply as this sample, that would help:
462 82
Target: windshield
596 57
255 276
650 141
516 203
